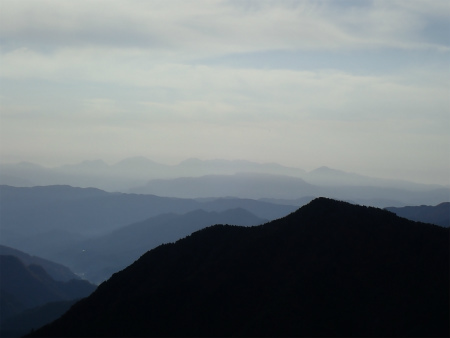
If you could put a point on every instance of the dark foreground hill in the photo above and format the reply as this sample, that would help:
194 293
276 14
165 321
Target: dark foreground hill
328 269
31 319
439 214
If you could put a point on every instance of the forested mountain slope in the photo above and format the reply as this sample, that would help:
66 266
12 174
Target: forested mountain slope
329 269
46 220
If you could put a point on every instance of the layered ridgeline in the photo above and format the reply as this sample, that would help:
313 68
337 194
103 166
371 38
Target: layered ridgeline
195 178
128 172
438 214
98 258
47 221
373 192
329 269
26 289
56 271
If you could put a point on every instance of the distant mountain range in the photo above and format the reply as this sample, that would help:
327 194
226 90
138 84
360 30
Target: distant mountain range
87 211
89 230
439 214
243 185
328 269
267 186
128 172
48 221
280 255
137 171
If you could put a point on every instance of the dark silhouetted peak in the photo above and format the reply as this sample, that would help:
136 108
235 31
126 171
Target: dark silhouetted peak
328 207
324 202
329 269
328 212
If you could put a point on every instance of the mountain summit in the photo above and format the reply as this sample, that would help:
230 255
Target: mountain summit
329 269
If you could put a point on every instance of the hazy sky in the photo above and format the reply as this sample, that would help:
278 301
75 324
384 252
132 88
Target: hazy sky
362 86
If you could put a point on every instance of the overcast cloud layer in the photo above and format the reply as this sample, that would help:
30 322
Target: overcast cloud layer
361 86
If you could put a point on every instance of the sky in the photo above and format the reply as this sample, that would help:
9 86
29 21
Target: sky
361 86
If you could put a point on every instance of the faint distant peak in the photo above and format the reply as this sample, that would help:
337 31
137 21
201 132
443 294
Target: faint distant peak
326 170
94 163
86 165
191 161
29 165
233 166
136 161
255 174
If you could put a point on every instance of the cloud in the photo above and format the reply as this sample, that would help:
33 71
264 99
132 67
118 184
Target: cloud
206 28
335 81
224 95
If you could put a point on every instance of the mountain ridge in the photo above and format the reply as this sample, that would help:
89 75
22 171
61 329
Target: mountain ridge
328 269
264 186
438 214
134 171
57 271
